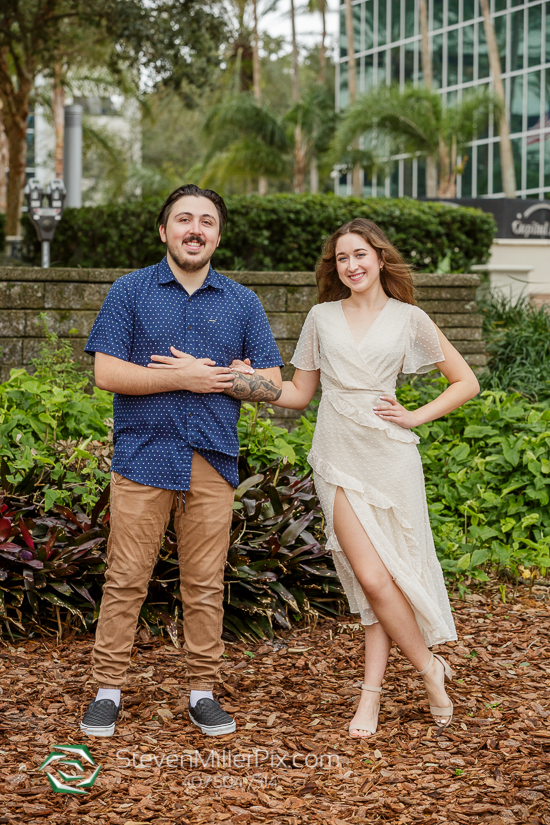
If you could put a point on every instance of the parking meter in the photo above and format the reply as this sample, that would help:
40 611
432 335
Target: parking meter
45 217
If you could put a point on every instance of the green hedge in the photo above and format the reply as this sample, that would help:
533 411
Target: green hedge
276 232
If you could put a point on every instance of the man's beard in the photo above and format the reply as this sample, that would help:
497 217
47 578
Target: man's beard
188 264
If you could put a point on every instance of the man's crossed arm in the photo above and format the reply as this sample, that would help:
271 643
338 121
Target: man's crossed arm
184 372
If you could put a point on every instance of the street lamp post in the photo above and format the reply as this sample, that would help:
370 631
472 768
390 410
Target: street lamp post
45 218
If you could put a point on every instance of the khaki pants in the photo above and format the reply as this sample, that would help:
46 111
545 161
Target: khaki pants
139 518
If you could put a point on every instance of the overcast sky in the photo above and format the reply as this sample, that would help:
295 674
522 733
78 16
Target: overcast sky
308 26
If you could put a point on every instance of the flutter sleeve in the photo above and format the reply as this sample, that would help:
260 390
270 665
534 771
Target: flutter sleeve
307 355
422 350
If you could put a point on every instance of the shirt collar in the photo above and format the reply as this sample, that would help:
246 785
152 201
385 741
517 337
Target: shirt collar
165 276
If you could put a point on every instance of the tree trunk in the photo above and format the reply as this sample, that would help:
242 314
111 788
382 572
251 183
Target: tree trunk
427 77
15 110
58 109
313 176
256 77
299 144
3 164
356 175
322 49
506 153
295 76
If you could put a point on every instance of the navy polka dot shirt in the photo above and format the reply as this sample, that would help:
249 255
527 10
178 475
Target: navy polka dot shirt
144 314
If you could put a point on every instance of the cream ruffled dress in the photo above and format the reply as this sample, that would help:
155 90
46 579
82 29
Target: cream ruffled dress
376 462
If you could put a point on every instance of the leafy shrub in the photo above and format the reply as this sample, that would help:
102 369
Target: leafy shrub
518 342
276 232
54 421
277 571
487 472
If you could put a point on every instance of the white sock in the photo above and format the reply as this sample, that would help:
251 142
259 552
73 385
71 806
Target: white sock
199 694
109 693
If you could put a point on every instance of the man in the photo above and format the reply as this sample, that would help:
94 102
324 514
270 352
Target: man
164 343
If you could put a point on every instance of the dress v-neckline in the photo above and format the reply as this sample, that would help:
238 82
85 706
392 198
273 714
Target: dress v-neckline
358 343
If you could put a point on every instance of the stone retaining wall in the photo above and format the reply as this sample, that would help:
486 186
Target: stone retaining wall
71 298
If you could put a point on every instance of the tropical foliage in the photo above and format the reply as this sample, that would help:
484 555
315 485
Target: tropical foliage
413 120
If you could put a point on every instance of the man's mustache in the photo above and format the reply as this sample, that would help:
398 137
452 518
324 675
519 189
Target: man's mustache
196 238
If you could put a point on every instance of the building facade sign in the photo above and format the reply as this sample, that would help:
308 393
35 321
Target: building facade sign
515 217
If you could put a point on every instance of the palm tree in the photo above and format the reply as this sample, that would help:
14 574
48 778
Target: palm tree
317 118
506 153
415 121
320 7
246 142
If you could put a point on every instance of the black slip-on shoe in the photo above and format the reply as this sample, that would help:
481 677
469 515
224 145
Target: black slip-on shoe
100 718
211 718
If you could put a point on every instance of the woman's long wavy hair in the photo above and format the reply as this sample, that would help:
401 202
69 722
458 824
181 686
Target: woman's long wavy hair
395 277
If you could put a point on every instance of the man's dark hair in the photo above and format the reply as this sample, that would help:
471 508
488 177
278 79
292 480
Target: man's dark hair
196 192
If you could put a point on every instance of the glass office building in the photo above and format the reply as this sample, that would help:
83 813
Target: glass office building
387 50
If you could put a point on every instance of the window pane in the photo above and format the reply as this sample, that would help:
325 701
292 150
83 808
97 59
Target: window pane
500 34
547 162
533 159
421 178
547 92
452 16
367 186
343 39
467 175
482 54
534 36
497 176
409 62
409 18
468 12
369 22
500 5
382 67
437 60
516 149
343 85
482 170
394 181
437 15
516 45
369 72
357 27
467 53
395 65
516 104
408 178
395 20
452 58
382 23
533 99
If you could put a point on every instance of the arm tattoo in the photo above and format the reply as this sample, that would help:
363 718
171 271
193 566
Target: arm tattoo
253 388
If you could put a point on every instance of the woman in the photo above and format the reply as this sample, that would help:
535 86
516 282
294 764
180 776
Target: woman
364 331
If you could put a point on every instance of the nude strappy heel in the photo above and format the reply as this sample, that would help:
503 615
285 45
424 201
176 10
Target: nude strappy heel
357 727
448 674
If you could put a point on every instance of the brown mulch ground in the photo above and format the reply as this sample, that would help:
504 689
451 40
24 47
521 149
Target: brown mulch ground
291 760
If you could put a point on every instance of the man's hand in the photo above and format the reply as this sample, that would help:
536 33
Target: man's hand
197 374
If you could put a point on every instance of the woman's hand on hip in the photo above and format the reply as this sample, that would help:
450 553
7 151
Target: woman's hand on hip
389 409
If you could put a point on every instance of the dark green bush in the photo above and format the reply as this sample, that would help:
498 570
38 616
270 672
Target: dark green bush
277 232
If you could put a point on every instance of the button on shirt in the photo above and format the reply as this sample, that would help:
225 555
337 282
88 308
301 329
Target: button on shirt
144 314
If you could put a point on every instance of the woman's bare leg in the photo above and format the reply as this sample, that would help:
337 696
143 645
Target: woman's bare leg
389 604
377 650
